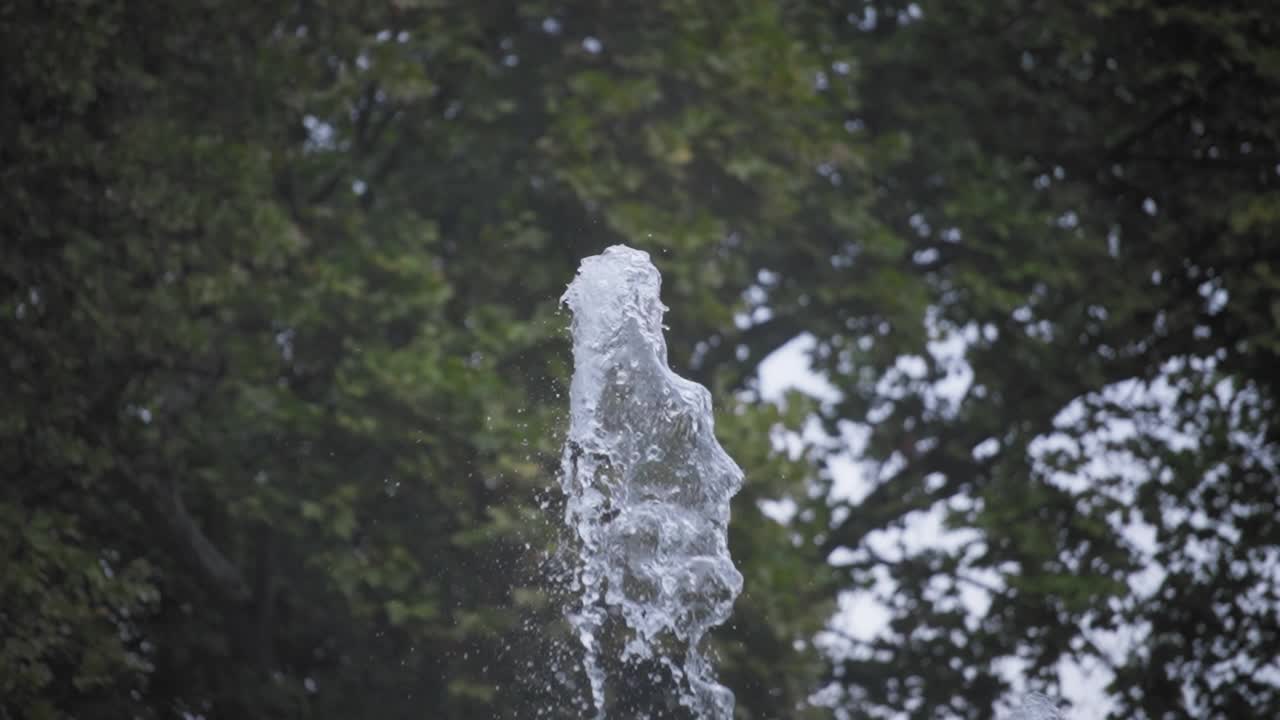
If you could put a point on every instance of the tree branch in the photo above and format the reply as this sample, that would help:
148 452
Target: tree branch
216 567
763 338
1117 148
161 504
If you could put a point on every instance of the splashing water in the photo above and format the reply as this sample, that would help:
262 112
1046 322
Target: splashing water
1036 707
648 491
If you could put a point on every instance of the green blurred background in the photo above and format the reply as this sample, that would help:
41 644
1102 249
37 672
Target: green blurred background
283 370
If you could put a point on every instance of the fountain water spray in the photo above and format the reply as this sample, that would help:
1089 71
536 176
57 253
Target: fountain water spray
648 490
1035 706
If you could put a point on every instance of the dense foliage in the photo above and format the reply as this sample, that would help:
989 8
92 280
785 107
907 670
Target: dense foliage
284 368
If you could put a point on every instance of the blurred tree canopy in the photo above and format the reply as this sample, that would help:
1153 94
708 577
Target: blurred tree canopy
283 367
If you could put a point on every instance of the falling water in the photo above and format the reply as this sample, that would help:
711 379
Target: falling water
1036 706
648 491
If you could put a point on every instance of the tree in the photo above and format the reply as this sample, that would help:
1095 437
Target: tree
284 353
1086 192
285 372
